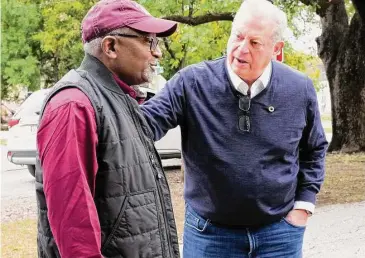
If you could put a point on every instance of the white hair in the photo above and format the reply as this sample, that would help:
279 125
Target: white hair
94 46
263 10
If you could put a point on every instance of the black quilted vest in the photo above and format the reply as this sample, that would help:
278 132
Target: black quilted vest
132 196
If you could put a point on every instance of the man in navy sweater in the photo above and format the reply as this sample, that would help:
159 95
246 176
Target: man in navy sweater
252 142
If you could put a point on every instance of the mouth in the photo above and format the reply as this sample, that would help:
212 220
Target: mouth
241 61
153 67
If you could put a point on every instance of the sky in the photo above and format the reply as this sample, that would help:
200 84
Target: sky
306 43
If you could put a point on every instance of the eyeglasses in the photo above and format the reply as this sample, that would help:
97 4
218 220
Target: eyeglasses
153 41
244 104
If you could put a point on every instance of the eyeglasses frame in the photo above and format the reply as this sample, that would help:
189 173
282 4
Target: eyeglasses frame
154 41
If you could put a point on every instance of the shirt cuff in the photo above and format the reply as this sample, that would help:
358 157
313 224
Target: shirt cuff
300 205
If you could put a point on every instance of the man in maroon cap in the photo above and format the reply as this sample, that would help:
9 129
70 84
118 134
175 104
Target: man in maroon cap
101 190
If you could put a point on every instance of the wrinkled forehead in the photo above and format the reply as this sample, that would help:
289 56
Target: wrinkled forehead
260 26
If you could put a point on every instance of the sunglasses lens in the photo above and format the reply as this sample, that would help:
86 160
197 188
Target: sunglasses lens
244 123
244 103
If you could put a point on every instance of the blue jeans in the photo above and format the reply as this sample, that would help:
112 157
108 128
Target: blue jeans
204 239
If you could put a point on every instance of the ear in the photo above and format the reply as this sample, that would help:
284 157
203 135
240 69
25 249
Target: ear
108 46
278 46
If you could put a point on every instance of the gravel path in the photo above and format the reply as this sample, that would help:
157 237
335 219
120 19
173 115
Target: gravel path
17 191
336 231
18 209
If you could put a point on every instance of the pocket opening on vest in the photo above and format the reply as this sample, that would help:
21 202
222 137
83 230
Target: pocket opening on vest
137 228
116 224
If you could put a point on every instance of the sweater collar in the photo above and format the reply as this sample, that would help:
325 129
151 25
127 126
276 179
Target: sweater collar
276 70
241 86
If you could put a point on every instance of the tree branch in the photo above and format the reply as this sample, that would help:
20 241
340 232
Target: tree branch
169 50
191 7
321 5
198 20
182 61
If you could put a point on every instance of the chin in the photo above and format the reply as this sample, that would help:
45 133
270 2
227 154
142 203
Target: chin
147 76
240 71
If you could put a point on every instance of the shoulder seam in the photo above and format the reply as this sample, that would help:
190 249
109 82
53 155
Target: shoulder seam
70 102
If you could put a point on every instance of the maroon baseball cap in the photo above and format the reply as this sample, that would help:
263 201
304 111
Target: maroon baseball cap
108 15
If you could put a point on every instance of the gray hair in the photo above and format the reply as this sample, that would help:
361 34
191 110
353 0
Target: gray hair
94 46
264 10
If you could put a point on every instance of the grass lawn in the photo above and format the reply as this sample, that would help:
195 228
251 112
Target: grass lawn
18 239
345 182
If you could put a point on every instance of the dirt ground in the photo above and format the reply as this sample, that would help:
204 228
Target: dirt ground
176 183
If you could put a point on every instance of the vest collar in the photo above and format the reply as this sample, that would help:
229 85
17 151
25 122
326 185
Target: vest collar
100 73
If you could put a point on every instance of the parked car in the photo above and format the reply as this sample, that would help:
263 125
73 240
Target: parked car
23 130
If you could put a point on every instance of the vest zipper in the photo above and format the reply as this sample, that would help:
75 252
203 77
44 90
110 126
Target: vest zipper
155 165
158 176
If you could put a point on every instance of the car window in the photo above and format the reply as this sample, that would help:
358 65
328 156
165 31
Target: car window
32 104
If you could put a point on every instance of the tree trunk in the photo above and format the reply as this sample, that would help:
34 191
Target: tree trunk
342 50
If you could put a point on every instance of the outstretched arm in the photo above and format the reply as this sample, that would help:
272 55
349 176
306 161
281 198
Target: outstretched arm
166 110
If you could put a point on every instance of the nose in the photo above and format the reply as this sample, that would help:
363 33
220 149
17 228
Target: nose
157 52
243 46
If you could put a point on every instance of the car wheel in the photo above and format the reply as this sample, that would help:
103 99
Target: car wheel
31 169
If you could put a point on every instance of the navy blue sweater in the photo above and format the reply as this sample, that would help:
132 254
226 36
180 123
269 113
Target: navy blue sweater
234 177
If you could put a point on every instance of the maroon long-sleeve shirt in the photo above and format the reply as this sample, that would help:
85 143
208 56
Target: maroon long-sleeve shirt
66 142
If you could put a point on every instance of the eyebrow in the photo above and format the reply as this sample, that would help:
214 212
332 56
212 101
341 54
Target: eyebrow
250 37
